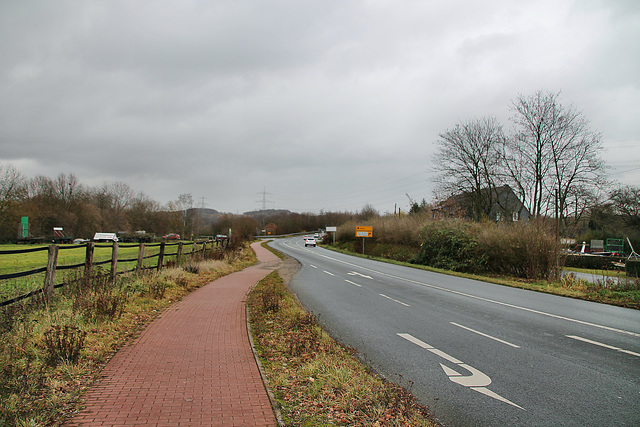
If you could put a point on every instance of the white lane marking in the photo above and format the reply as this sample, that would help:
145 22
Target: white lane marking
485 335
353 283
311 265
477 381
530 310
329 273
395 300
610 347
355 273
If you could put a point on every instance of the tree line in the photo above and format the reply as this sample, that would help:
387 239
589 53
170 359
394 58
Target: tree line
82 210
114 207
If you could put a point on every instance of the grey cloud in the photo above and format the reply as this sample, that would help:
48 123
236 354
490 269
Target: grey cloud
328 105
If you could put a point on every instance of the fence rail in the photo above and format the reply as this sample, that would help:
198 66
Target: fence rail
52 262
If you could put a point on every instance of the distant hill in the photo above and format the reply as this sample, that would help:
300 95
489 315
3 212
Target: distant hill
211 216
207 216
267 213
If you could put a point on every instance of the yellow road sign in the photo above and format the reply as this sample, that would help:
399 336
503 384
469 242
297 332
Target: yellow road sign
364 231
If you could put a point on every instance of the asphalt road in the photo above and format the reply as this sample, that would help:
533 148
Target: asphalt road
477 354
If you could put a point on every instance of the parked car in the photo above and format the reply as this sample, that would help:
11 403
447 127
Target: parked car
171 236
309 241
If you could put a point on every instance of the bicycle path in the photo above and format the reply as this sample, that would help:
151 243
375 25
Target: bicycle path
192 366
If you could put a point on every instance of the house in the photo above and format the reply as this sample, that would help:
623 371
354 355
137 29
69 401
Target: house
500 204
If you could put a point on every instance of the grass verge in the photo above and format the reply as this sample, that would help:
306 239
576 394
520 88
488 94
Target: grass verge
315 380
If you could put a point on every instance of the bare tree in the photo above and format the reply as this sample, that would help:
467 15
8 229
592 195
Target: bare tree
183 209
368 212
13 190
469 162
553 156
113 200
626 203
66 188
12 186
142 213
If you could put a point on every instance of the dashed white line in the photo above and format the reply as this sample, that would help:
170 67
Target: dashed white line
395 300
353 283
485 335
329 273
504 304
610 347
313 266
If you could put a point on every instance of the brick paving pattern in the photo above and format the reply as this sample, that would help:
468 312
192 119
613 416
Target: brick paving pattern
192 366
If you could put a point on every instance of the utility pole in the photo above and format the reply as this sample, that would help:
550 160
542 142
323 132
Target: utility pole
264 198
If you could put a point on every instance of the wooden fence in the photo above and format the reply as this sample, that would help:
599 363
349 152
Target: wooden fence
52 262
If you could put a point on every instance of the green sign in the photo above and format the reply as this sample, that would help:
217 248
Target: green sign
24 227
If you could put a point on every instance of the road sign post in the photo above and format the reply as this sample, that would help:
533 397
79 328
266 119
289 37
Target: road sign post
364 231
332 229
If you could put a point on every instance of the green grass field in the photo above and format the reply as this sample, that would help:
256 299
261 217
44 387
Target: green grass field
67 255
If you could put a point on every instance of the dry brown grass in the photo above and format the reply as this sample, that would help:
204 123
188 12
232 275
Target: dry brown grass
315 380
50 354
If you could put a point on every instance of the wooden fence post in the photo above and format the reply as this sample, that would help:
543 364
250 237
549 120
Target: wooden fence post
50 276
114 260
88 261
161 256
140 258
179 254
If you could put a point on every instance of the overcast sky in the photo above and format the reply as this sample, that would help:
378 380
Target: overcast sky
304 105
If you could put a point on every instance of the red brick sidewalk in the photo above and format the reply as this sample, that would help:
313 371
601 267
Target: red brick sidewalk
193 366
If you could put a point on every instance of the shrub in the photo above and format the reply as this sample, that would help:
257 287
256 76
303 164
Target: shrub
450 245
633 268
192 267
157 287
270 300
390 251
98 296
592 262
63 343
524 250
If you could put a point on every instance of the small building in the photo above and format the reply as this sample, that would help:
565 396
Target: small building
502 204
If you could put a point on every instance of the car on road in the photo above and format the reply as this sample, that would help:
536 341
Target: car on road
171 236
309 241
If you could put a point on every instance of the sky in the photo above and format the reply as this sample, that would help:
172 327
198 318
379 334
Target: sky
306 105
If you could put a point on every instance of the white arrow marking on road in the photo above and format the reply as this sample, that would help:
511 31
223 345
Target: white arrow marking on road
477 381
355 273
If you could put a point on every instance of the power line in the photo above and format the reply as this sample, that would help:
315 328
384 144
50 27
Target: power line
621 172
264 198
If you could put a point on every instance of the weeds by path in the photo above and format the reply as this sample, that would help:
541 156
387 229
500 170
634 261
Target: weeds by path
316 381
51 353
